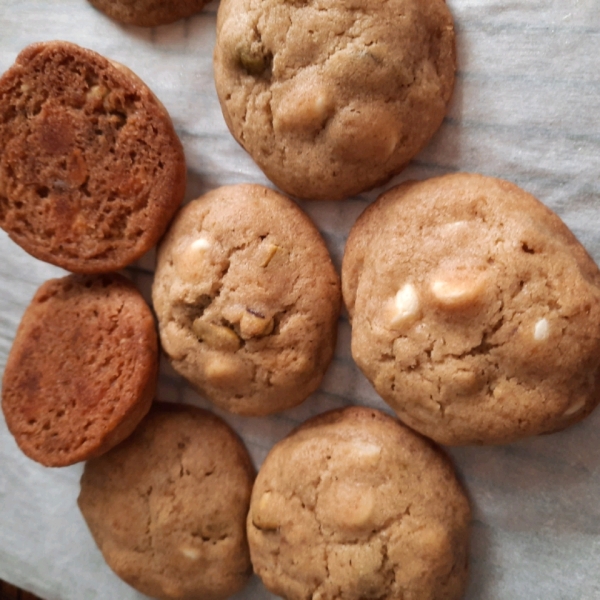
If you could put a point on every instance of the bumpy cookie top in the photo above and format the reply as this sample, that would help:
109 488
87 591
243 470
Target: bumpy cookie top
82 370
333 97
91 169
475 311
247 299
148 13
168 506
354 505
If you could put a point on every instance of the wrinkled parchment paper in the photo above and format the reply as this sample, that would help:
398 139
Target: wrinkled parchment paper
526 108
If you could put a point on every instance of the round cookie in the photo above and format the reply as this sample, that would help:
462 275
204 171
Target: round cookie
168 507
475 311
91 170
148 13
247 299
333 98
82 370
354 505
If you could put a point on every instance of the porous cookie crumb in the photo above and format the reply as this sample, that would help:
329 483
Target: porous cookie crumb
354 505
148 13
506 340
247 299
168 506
82 370
332 98
91 170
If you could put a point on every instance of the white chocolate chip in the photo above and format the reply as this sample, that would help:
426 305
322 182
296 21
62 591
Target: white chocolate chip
189 262
191 553
200 244
304 109
349 506
366 452
405 306
575 408
541 330
457 291
221 369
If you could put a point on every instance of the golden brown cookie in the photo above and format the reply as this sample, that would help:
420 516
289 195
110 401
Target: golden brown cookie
148 13
247 299
332 98
82 370
91 170
168 506
354 505
475 311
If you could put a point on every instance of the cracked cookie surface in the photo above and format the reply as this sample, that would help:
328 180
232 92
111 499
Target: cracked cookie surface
354 505
247 299
475 311
168 506
148 13
332 98
91 170
82 370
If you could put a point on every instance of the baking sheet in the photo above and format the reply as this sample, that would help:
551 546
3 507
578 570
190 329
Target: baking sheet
526 108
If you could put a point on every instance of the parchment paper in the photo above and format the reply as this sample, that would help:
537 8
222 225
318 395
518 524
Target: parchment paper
526 108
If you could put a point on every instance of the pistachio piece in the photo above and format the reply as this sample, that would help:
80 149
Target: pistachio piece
270 253
253 62
254 324
216 336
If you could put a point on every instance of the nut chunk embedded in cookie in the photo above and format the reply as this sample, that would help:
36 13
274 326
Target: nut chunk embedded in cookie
247 299
332 98
475 311
91 169
82 370
168 506
354 505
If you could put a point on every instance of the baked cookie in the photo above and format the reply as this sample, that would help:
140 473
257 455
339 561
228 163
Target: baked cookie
475 311
247 299
168 506
91 170
332 98
354 505
82 370
148 13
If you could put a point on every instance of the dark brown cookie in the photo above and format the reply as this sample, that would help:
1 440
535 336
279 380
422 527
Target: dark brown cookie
247 299
82 370
354 505
475 311
91 170
332 98
168 506
148 13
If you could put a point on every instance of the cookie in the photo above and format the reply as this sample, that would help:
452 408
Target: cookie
247 299
333 98
475 311
148 13
354 505
82 370
168 506
91 170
